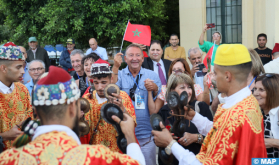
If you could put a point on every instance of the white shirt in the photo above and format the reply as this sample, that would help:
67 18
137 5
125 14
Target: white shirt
6 90
100 100
155 68
100 51
273 114
272 66
204 126
60 128
34 52
133 149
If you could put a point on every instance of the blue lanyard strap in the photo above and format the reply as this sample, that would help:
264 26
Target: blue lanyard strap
135 79
86 81
77 75
252 81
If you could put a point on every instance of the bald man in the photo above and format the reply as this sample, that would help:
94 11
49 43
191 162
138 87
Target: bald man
97 49
26 76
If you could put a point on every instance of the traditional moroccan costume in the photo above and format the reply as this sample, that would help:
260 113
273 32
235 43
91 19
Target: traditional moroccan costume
106 134
236 134
15 107
58 144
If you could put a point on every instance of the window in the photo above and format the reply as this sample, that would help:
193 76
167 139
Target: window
227 16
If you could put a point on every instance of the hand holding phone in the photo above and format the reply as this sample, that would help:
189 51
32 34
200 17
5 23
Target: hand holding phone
210 25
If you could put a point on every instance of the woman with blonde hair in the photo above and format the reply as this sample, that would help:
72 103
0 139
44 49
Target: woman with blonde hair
179 65
180 82
256 70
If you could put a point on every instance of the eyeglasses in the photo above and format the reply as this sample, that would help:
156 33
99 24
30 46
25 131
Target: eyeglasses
77 61
36 69
215 35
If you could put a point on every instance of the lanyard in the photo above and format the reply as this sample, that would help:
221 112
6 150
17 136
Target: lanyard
77 75
252 81
135 79
86 82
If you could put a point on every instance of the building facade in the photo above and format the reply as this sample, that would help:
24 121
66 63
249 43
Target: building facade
239 21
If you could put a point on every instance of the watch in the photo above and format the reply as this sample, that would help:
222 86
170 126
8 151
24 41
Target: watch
168 148
199 138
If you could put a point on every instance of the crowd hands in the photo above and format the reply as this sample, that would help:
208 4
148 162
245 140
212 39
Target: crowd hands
166 71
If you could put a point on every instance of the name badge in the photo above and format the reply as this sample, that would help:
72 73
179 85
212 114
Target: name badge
139 101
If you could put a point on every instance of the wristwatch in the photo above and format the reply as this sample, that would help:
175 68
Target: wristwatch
199 138
168 148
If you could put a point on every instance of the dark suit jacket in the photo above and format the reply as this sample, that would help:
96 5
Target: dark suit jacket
148 64
41 54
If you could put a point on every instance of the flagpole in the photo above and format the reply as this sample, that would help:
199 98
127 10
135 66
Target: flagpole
124 36
212 67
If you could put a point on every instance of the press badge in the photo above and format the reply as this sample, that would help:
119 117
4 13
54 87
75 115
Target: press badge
139 102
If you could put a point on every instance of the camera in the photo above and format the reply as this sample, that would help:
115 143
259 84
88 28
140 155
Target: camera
201 66
132 94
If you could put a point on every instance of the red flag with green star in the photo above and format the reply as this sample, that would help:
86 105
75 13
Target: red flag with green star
140 34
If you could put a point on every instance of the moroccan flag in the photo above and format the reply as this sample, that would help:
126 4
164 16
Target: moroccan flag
140 34
208 56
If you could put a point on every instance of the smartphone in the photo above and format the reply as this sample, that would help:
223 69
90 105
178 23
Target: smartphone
201 66
210 25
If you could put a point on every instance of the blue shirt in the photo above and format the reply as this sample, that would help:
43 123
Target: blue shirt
26 77
100 51
65 60
125 83
199 80
29 86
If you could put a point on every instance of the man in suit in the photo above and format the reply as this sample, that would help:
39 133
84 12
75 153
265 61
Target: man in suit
37 53
155 63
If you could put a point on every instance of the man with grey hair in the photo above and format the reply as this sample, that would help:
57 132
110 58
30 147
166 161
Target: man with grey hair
37 53
273 66
138 83
195 57
76 57
35 69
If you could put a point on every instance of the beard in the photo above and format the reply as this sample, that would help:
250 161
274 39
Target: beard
261 46
174 44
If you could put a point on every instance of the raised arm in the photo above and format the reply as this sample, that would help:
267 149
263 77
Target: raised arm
154 106
202 35
117 63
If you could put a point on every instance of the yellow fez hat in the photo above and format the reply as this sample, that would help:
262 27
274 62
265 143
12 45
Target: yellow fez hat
232 54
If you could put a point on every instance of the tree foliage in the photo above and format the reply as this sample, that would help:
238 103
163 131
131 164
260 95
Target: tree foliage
53 21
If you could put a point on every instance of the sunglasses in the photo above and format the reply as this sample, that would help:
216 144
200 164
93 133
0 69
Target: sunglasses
269 75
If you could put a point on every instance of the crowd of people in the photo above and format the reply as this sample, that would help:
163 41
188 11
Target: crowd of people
231 111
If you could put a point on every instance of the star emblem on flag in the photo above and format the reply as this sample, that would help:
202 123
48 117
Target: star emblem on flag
136 33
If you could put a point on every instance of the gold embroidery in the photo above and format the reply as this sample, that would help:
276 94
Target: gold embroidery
51 154
49 149
75 156
234 147
253 120
220 141
11 115
26 159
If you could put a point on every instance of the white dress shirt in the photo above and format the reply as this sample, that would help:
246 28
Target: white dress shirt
204 126
155 67
100 51
6 90
273 114
100 100
34 52
272 66
133 149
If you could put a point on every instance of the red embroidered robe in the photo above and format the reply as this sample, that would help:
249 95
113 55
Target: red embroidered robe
236 137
